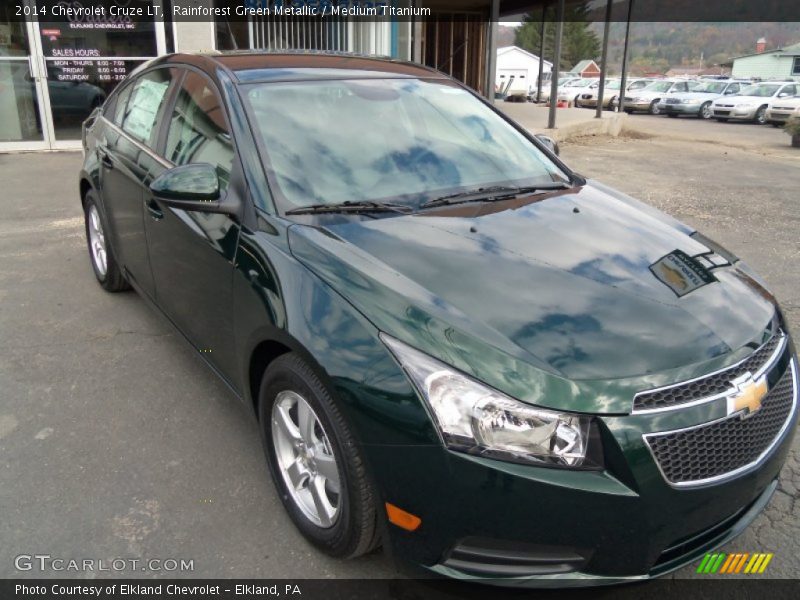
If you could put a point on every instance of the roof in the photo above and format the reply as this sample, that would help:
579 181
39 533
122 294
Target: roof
504 49
791 50
581 66
270 66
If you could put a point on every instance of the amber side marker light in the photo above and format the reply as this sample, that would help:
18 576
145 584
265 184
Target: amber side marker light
404 520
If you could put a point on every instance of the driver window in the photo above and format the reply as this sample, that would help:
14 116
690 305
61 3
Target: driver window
198 131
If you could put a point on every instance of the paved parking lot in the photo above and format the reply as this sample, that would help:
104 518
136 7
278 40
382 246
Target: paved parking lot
116 441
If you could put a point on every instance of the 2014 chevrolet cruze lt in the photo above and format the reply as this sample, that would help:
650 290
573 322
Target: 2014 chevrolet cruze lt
453 343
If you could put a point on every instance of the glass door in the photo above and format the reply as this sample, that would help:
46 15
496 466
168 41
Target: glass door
55 70
23 119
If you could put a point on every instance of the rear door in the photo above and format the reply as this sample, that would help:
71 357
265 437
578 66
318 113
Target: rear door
125 156
192 252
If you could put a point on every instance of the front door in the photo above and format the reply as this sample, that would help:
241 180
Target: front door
126 161
192 252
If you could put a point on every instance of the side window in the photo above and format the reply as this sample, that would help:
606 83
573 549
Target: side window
680 87
198 132
119 105
147 95
732 88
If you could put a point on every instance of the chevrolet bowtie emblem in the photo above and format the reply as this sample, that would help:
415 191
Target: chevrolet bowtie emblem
748 395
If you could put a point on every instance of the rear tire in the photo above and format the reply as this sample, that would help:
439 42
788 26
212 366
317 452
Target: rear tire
104 263
331 501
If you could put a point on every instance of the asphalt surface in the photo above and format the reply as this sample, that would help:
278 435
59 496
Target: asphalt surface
117 442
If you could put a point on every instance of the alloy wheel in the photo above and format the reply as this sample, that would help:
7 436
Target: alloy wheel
761 115
97 241
705 111
305 459
654 110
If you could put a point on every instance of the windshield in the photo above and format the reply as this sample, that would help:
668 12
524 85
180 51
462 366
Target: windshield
658 86
710 87
613 85
407 140
580 83
761 90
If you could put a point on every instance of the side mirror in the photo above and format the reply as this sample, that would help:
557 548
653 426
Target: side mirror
191 187
551 144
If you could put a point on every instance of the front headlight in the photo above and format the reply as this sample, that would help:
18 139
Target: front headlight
473 418
690 101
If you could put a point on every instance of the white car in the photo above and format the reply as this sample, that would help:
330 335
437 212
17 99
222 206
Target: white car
570 91
779 110
562 81
648 98
751 103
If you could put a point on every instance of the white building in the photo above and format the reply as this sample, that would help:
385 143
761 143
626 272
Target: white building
519 67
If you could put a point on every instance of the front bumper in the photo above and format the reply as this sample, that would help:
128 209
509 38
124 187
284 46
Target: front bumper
779 116
733 113
680 109
518 525
638 106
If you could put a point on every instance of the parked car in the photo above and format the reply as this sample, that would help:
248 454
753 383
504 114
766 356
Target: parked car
570 91
453 344
647 99
779 110
697 103
751 103
562 81
610 94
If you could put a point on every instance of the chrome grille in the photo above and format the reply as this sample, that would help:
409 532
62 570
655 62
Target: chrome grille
712 385
729 446
672 101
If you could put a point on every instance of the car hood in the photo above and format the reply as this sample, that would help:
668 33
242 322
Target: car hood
698 95
787 102
737 100
647 94
574 283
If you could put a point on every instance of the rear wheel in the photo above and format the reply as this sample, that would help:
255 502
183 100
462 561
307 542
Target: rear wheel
761 115
315 462
705 111
104 263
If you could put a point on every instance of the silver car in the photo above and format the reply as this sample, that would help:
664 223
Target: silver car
647 98
779 110
751 102
697 103
610 94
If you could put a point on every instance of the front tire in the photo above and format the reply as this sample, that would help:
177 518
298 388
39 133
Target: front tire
654 110
101 254
706 112
761 115
318 470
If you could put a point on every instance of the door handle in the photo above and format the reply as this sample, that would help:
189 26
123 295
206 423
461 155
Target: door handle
105 159
154 210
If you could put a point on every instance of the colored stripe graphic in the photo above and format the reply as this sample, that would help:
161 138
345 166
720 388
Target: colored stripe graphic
741 562
727 564
765 563
723 563
702 567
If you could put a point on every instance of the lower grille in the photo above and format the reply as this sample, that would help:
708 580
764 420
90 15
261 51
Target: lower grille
726 447
672 101
722 112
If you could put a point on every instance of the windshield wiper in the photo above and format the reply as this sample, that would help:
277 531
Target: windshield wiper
492 193
350 206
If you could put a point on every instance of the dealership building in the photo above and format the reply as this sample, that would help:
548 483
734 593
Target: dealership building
56 66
